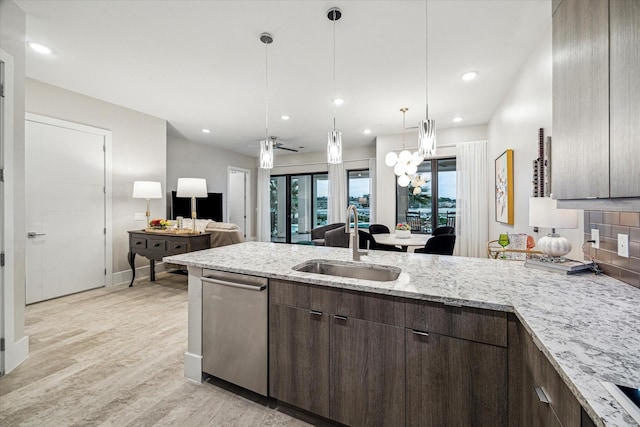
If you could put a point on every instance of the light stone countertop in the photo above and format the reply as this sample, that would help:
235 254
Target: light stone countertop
588 326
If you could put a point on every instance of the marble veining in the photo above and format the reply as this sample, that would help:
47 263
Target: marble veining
587 326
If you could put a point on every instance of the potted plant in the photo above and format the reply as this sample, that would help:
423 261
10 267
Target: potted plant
403 230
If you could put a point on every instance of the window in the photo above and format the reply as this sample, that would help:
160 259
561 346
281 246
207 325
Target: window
358 194
298 204
429 208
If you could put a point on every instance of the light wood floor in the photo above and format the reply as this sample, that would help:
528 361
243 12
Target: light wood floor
114 357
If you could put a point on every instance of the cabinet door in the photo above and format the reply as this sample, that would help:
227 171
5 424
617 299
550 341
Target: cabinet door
580 148
451 381
367 373
299 358
533 411
625 92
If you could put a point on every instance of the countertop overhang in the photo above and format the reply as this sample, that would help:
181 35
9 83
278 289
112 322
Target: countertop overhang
588 326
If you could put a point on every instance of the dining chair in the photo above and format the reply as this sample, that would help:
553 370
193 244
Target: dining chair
439 245
445 229
337 238
367 241
451 219
378 229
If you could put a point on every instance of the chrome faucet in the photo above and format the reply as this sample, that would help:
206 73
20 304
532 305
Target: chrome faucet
355 241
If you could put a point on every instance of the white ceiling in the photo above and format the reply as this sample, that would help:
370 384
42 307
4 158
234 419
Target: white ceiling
200 64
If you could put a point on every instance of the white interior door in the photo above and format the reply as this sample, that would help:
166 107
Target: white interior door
65 211
237 198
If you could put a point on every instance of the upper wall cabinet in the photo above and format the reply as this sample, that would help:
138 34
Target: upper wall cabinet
596 87
624 68
580 149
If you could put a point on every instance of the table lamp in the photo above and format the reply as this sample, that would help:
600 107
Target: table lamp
192 187
543 212
147 190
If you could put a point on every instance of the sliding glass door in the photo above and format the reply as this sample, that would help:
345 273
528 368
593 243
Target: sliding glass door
298 204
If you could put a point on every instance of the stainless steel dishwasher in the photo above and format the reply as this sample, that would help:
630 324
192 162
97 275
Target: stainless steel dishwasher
235 329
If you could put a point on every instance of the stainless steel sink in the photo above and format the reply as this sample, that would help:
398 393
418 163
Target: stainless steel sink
378 273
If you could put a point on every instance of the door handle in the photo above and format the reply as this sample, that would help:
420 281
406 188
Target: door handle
33 234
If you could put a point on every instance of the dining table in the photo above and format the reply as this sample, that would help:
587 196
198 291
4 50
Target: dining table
415 240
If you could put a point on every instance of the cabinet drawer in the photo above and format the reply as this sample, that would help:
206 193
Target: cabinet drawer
369 306
157 244
562 402
473 324
300 295
176 247
358 305
138 243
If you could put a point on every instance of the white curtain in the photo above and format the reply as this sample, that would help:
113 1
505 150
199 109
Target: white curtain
372 191
337 201
472 203
264 206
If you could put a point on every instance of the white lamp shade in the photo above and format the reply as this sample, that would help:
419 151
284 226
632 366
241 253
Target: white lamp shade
543 212
147 190
192 187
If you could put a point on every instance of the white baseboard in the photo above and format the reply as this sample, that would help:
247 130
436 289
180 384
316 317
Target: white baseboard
193 367
122 277
16 353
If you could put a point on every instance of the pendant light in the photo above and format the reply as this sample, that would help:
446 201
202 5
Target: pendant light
405 165
266 147
426 127
334 141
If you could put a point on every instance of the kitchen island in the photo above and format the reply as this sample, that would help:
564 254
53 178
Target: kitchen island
585 325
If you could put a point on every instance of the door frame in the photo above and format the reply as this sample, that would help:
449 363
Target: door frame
248 230
106 134
16 350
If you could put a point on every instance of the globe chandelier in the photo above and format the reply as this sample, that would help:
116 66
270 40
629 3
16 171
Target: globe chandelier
405 165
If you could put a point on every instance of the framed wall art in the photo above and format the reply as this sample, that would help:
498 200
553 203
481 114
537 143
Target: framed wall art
504 187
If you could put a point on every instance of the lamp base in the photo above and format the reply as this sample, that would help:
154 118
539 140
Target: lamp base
554 245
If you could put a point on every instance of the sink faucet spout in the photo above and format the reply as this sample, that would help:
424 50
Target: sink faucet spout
355 241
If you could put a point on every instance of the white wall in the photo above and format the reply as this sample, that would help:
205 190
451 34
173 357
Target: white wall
386 179
12 40
299 163
188 159
515 123
138 153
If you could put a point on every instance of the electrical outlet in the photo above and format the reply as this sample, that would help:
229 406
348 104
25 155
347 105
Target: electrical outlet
623 245
595 235
139 216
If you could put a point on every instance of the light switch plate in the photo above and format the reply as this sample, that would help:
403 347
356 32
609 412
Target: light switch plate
139 216
595 235
623 245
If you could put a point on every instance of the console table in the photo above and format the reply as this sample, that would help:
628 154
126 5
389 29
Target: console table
156 245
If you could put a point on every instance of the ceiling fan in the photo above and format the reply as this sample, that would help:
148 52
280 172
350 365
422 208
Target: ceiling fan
280 145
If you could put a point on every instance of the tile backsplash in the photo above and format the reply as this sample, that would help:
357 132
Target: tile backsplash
610 225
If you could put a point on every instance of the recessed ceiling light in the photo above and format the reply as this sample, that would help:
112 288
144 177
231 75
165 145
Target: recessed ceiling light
457 119
205 131
39 47
338 101
285 117
367 131
470 75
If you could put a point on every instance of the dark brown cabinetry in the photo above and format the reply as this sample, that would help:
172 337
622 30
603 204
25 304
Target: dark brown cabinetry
545 398
332 354
299 357
596 85
364 359
456 361
367 373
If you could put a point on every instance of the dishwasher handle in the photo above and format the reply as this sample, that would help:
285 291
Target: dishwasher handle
257 288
